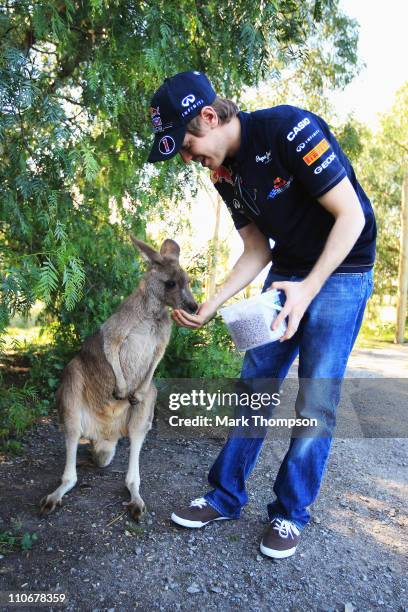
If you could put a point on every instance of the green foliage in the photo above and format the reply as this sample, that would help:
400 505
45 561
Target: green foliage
75 83
20 407
76 79
380 169
15 539
204 353
352 136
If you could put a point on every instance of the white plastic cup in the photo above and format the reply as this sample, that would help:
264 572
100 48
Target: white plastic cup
249 321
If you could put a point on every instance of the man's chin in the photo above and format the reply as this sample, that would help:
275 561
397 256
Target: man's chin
212 165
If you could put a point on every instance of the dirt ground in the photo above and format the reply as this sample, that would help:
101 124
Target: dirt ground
352 556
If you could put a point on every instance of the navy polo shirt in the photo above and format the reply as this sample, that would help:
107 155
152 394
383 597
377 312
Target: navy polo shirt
288 158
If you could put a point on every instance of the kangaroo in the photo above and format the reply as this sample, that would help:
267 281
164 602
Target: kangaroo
106 391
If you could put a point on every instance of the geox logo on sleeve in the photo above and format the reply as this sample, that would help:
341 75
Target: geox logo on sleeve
316 152
326 162
297 128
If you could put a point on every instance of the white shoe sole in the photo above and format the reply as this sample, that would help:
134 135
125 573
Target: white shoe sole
194 524
277 554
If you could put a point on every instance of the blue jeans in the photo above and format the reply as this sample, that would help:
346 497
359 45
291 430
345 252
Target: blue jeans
323 341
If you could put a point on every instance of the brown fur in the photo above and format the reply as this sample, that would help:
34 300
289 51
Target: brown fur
106 391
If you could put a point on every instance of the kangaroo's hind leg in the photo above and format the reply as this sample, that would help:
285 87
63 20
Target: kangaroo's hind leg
139 424
69 477
69 401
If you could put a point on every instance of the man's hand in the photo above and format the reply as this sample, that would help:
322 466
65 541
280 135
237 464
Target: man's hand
194 321
298 297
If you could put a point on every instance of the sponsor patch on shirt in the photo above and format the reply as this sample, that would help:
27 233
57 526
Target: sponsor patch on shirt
325 163
279 185
221 174
316 152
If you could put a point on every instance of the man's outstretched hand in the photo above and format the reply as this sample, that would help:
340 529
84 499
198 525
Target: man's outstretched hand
298 297
193 321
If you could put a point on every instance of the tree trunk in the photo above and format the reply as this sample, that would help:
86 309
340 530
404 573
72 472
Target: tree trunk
214 249
403 265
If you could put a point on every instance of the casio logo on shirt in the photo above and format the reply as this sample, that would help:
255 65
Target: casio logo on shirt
297 128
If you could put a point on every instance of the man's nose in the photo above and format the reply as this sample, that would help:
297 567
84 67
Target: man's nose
186 157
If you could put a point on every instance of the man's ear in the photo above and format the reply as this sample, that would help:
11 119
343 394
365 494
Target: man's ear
209 116
147 251
170 250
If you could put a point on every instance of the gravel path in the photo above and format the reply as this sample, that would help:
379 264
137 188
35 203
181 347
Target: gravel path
353 555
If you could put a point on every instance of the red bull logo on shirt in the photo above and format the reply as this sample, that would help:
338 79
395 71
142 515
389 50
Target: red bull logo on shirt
279 185
222 174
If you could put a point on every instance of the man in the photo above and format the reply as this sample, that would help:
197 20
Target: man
283 176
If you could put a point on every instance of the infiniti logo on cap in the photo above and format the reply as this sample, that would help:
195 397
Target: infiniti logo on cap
188 100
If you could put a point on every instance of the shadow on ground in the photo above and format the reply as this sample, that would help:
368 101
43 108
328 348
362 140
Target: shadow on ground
353 553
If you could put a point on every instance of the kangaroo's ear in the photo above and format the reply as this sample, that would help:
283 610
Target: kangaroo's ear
170 250
147 251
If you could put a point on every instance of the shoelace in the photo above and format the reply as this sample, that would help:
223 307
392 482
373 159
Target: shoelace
285 528
200 502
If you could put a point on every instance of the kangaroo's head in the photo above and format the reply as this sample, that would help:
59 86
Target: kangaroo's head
166 279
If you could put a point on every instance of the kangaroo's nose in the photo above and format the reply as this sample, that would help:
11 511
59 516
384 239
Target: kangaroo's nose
191 307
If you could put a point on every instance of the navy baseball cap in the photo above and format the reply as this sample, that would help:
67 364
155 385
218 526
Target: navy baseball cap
175 103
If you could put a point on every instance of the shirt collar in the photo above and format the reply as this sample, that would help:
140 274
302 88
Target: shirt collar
245 121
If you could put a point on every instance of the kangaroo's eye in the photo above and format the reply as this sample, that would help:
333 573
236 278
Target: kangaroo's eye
170 284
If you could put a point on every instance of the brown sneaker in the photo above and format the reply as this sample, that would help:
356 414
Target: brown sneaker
280 539
198 514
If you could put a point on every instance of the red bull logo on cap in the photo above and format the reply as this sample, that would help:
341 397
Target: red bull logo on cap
222 174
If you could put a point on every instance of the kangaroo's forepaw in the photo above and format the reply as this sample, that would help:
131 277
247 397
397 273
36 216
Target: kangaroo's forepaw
136 510
48 504
133 399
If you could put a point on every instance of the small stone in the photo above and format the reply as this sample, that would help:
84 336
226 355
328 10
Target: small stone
259 558
193 588
348 607
215 589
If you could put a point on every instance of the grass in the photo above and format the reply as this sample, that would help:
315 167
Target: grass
31 366
21 339
378 336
